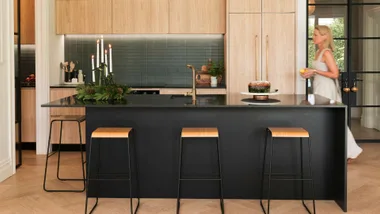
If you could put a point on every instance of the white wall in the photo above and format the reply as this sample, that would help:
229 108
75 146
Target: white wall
301 45
7 92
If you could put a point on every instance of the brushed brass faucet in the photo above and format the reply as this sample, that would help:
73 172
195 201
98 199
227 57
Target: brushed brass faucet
193 92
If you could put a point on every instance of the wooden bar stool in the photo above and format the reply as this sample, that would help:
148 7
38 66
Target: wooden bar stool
66 118
111 132
200 133
287 132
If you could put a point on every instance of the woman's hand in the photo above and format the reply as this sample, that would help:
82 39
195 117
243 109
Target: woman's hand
308 73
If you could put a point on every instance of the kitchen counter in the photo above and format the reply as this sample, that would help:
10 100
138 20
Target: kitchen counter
228 100
157 121
150 86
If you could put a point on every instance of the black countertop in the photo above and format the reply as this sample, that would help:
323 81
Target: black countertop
228 100
149 86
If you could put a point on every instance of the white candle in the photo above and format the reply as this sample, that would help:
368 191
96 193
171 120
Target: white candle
110 47
97 53
102 48
92 68
105 69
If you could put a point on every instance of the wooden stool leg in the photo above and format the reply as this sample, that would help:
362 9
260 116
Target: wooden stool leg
179 175
220 177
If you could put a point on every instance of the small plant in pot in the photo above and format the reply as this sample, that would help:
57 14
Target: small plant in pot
216 72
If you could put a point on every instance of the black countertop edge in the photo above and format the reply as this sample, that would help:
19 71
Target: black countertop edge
209 101
148 86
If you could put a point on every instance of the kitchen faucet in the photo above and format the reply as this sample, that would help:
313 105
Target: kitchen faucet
193 90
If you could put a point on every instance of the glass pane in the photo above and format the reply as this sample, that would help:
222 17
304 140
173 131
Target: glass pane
367 87
365 123
366 20
339 53
365 55
328 1
333 16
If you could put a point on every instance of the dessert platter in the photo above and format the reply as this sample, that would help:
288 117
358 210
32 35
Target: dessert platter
260 92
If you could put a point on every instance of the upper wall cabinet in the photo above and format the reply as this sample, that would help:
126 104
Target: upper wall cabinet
244 6
140 16
265 6
197 16
27 32
83 17
276 6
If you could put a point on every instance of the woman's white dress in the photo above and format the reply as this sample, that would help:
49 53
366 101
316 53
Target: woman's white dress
329 88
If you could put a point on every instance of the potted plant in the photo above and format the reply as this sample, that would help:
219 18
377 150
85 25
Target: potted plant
216 72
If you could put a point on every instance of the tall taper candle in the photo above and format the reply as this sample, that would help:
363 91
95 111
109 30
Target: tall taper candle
92 68
110 47
102 48
105 58
97 53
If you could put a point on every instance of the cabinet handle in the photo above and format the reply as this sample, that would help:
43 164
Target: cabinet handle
257 66
267 56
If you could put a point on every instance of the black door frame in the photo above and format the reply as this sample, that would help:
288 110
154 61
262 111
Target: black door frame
350 76
18 88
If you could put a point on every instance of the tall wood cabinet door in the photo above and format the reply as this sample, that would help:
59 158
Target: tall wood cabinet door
27 29
276 6
140 16
28 114
83 17
197 16
244 6
278 51
244 51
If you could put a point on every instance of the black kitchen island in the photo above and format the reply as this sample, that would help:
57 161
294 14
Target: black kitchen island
157 121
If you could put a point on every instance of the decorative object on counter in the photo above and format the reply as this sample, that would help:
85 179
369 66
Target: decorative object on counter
210 74
29 81
70 72
103 65
107 91
216 72
261 95
259 87
80 76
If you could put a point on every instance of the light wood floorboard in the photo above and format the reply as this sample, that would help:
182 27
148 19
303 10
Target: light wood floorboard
23 193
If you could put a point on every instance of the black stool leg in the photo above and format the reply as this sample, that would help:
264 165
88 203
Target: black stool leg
130 177
263 171
82 157
311 179
88 179
220 177
179 175
137 175
59 151
269 175
47 157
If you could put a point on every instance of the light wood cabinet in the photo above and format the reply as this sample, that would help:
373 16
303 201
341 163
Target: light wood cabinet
279 51
140 16
83 17
197 16
244 51
70 132
28 114
261 44
262 6
27 25
276 6
244 6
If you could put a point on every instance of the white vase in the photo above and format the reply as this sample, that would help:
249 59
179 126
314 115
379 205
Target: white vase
214 81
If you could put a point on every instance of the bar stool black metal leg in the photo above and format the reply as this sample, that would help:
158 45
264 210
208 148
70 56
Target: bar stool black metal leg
220 177
137 174
88 179
130 177
263 171
47 157
270 172
82 157
311 175
302 175
179 175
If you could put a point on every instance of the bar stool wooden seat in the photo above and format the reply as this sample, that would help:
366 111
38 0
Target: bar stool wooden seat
65 118
207 132
113 132
287 132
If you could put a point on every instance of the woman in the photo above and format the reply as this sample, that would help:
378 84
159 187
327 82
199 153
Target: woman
324 74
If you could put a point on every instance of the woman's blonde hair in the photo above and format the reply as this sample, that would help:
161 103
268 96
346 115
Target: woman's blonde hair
326 31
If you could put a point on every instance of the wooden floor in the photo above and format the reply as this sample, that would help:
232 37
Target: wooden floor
23 193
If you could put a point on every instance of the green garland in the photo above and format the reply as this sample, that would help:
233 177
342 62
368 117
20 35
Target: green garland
106 89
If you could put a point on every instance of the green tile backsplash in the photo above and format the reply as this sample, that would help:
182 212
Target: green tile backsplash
148 60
